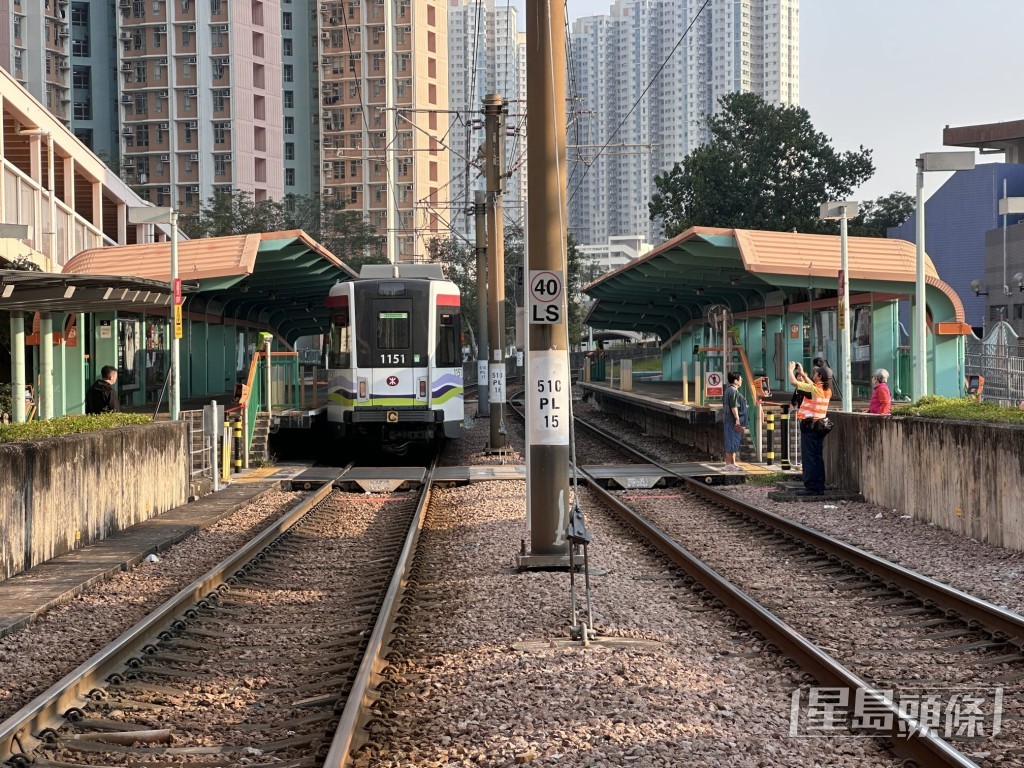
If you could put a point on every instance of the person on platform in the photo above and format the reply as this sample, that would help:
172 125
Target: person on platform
734 420
814 425
102 396
881 398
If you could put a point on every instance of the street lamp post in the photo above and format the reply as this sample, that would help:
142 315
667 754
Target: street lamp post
165 215
843 211
928 161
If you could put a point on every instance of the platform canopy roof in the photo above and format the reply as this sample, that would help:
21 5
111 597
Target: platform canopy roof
280 278
22 291
675 284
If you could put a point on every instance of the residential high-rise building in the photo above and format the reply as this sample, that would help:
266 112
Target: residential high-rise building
352 120
635 122
35 47
486 54
201 98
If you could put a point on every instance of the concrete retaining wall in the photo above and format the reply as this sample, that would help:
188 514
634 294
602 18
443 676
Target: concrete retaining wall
61 493
966 477
963 476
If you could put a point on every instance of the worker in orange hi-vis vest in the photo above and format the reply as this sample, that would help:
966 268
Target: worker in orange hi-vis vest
814 425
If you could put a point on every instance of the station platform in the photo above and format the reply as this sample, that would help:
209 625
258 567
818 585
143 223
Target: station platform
26 596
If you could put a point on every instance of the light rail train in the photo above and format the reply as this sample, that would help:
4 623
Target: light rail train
395 357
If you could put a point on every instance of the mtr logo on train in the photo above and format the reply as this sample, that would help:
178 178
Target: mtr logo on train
545 296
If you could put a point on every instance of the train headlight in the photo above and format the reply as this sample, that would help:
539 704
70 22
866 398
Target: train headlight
362 389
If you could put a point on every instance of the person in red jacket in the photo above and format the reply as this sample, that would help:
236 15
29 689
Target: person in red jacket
881 398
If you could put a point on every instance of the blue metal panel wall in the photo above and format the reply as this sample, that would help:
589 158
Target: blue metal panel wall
956 219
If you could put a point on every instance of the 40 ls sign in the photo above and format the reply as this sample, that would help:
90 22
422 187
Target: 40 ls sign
546 288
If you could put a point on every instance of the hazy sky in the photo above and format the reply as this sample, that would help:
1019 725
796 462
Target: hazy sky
890 74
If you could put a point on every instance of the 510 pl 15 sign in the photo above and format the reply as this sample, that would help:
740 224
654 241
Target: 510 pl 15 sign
546 288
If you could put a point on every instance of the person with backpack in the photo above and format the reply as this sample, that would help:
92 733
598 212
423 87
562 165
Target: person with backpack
734 418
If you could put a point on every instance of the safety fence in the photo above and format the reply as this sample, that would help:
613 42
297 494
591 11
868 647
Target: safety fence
994 366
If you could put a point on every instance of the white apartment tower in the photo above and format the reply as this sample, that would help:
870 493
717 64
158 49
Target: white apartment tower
200 98
733 46
486 54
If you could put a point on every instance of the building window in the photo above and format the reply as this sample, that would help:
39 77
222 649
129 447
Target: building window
289 150
289 99
289 125
140 104
220 132
289 177
288 73
220 164
286 21
286 46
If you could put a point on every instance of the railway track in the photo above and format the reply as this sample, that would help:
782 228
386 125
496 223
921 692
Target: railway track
923 637
269 658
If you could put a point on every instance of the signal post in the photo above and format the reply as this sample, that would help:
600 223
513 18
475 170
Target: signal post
547 365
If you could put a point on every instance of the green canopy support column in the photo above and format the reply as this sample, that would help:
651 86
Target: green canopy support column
18 366
46 363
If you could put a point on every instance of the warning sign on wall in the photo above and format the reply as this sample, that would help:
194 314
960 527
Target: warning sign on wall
713 383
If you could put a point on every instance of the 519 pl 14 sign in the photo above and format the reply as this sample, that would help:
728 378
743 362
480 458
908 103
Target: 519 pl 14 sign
546 288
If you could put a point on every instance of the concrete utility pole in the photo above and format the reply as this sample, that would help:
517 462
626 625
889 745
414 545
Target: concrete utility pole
480 220
547 378
494 123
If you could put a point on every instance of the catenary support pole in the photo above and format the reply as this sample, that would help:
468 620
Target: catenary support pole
547 379
844 315
494 120
482 355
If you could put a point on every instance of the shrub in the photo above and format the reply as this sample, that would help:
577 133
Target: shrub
6 404
960 409
66 425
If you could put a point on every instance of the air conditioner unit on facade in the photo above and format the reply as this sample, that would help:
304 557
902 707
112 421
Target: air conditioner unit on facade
327 166
165 158
165 190
325 35
192 92
325 61
126 98
192 124
127 131
162 28
193 188
125 35
126 67
163 94
125 3
165 126
190 28
194 156
328 191
163 60
222 28
191 60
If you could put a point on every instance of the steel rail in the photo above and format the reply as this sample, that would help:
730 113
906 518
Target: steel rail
361 698
909 738
1004 625
19 732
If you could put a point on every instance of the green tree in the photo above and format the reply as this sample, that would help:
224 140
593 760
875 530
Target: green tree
345 233
765 167
877 216
234 213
